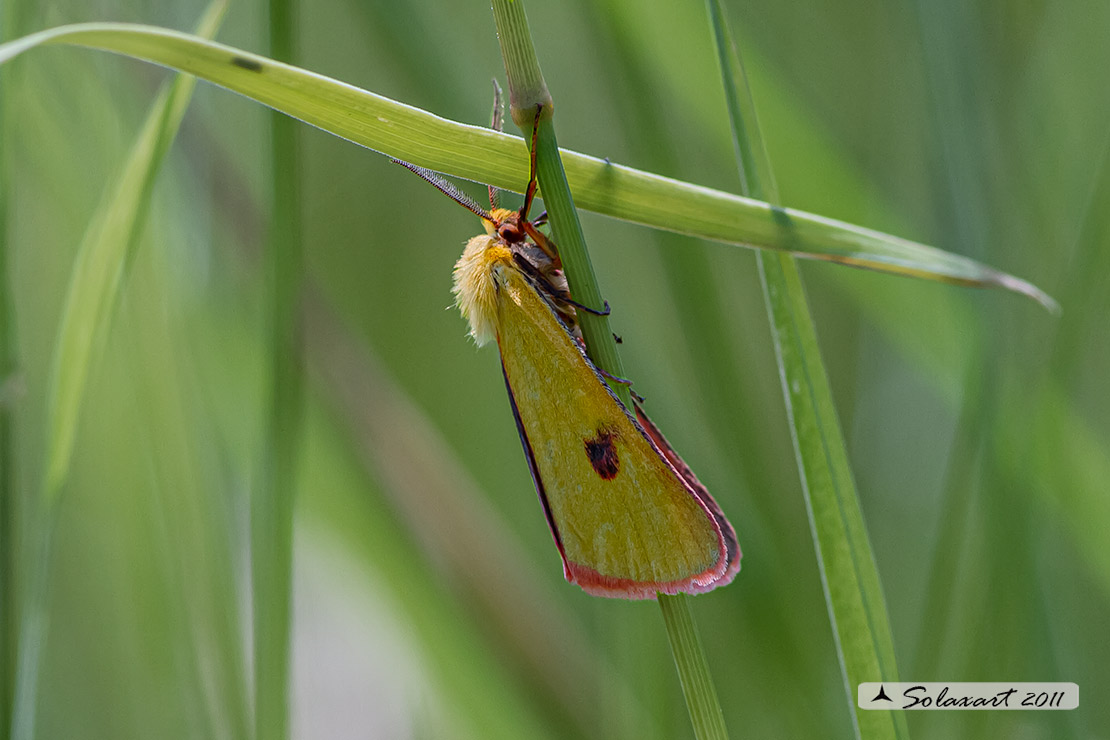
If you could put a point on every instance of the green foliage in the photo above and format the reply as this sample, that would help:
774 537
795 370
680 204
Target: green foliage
428 597
426 140
853 590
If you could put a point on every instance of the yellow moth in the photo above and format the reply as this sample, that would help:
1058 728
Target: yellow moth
628 516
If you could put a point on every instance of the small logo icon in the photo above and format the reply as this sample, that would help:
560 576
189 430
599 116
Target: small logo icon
882 695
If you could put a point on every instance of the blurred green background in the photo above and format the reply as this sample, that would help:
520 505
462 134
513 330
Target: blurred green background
429 597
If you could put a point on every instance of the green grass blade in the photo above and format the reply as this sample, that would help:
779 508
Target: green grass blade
527 84
482 155
8 491
9 363
102 260
273 500
97 272
853 592
693 668
527 88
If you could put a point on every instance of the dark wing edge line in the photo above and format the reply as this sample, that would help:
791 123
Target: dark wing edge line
533 468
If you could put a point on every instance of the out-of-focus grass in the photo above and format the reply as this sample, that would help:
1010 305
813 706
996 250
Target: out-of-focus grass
863 124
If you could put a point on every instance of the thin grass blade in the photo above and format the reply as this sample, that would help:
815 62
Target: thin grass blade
527 87
101 263
9 364
98 271
483 155
273 500
853 592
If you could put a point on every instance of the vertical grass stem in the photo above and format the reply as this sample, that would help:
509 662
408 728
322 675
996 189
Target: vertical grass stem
527 88
274 498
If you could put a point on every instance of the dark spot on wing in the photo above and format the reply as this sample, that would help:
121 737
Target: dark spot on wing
248 64
602 453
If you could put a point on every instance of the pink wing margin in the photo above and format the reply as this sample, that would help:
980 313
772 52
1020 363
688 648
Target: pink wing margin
598 584
728 534
721 574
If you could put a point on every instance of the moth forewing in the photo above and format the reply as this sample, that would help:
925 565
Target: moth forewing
627 522
628 516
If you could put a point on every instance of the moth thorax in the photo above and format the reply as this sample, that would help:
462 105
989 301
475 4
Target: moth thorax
475 286
552 284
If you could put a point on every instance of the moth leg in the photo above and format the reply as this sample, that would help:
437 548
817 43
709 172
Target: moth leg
603 312
622 381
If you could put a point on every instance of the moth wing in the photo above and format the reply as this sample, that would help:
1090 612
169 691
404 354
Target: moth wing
627 523
732 545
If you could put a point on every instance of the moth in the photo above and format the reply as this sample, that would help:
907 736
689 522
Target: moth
629 518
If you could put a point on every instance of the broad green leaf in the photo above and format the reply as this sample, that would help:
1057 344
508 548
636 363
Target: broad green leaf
482 155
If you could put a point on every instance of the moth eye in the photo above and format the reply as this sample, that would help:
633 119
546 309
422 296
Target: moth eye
509 232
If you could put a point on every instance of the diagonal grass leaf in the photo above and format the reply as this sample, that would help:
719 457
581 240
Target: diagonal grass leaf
101 263
102 259
482 155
